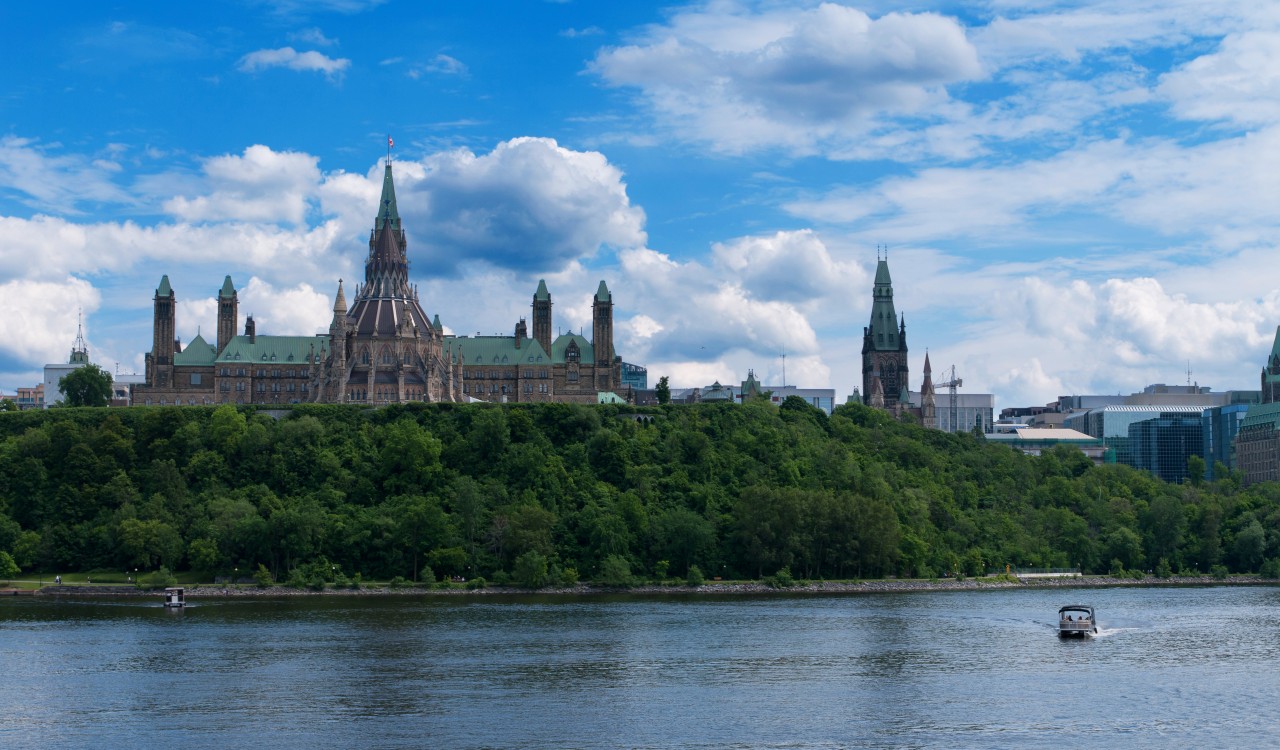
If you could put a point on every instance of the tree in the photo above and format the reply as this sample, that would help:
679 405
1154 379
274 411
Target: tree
86 386
8 404
8 568
663 391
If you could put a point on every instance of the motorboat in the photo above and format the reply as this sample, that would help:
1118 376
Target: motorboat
175 597
1076 620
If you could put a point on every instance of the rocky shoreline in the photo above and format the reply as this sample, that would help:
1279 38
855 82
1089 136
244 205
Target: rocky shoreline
707 589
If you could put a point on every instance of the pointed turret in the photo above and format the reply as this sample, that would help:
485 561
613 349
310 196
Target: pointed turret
388 214
79 349
602 293
542 316
928 401
340 302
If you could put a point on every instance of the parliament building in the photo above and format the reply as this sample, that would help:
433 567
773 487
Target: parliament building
383 349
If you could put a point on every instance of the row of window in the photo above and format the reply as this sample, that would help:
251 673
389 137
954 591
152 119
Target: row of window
503 374
240 373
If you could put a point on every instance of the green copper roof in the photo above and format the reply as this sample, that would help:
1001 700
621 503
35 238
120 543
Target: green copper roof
882 273
196 353
387 211
1262 415
602 294
497 350
279 350
884 320
542 292
164 290
1275 346
586 352
435 323
228 289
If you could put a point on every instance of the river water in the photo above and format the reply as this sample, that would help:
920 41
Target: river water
968 669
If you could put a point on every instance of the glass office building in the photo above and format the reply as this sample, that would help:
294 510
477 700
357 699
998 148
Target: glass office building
1161 446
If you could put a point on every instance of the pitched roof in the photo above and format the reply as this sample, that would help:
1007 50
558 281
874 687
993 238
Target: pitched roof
542 292
387 211
602 294
164 290
497 350
586 352
279 350
196 353
228 289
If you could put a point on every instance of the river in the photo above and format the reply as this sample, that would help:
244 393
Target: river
965 669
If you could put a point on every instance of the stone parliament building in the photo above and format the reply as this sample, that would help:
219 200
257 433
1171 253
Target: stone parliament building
383 349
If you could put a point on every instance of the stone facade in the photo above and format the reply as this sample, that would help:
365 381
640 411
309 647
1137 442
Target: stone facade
382 349
884 349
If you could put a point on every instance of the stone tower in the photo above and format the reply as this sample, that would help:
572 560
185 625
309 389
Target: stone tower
228 307
928 399
884 346
1271 373
163 342
602 337
542 316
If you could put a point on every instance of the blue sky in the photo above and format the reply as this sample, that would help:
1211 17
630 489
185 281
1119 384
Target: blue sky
1076 197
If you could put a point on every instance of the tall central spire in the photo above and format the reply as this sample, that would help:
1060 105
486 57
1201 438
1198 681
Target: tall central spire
386 271
884 320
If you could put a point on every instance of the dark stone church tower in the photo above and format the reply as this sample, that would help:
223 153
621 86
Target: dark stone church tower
884 348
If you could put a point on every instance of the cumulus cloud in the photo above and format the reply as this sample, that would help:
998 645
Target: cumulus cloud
802 79
41 317
702 315
530 205
260 185
790 267
290 58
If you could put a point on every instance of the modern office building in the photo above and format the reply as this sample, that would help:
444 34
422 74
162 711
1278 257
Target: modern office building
970 410
1036 440
1131 442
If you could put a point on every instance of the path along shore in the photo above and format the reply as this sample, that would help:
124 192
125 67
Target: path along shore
202 591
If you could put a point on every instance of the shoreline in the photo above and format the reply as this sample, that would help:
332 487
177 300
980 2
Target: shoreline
209 591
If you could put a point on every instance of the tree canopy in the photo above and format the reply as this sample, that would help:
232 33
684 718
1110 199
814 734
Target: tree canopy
551 492
88 385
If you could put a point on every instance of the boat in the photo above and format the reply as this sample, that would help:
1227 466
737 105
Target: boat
1076 620
175 597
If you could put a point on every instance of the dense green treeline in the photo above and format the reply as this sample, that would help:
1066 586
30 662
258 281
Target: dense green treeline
544 493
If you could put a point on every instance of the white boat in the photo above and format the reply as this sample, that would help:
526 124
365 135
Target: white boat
1076 620
175 597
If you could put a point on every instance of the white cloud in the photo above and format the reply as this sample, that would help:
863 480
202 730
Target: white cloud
60 183
41 317
529 205
441 64
792 267
312 35
1239 82
261 185
288 57
805 80
299 310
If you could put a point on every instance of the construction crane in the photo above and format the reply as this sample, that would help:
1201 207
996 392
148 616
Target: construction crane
951 384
